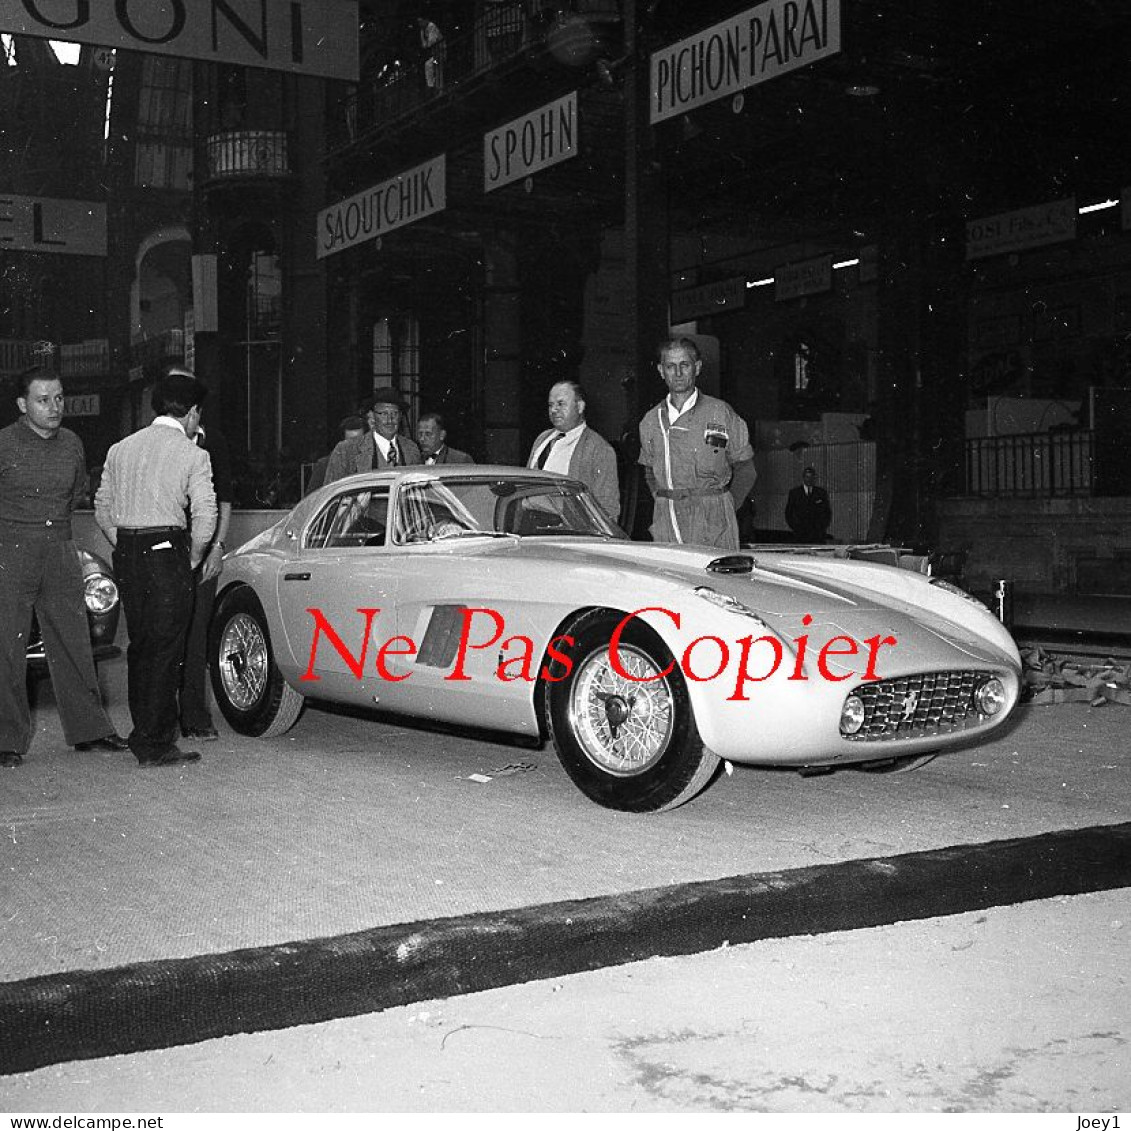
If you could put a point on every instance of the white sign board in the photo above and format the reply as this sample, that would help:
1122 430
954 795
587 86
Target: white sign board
806 277
758 45
62 227
403 199
305 37
85 405
535 141
1024 228
710 298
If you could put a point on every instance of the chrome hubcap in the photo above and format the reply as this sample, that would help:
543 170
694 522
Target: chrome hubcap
243 661
623 725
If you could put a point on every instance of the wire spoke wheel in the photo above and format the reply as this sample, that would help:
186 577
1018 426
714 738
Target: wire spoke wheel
624 719
243 661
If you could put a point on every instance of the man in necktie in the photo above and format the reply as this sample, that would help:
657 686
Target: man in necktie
572 448
808 511
380 448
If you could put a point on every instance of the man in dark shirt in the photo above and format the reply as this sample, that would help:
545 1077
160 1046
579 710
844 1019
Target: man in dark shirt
196 718
42 479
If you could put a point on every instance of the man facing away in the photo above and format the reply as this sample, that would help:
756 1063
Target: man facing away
378 449
42 480
696 454
572 448
150 479
350 427
432 437
807 510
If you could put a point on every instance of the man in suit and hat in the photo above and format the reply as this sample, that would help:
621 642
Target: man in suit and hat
379 448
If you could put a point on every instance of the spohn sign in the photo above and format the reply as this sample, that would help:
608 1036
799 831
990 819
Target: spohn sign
747 49
309 37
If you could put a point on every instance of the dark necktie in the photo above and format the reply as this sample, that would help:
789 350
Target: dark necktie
391 458
544 454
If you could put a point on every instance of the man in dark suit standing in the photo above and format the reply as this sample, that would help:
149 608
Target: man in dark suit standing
432 437
378 449
807 511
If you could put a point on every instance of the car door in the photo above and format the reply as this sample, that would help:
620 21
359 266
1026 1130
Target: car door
337 597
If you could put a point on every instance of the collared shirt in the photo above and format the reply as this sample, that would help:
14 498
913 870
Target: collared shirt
42 479
150 478
562 451
675 413
384 444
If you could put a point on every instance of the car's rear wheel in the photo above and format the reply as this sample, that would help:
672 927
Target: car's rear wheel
250 692
624 732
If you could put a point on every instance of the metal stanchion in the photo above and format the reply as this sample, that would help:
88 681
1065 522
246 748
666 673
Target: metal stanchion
1003 601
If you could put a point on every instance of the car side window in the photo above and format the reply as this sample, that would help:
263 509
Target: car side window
351 519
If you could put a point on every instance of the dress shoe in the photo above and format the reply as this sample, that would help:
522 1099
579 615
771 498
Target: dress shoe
109 741
170 757
11 758
202 734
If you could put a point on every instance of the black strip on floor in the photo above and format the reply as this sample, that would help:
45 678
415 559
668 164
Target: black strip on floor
150 1005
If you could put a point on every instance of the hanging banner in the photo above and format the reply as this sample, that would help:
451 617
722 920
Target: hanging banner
304 37
710 298
806 277
46 224
402 200
754 47
535 141
1024 228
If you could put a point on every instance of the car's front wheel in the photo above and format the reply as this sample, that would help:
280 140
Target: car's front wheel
250 692
625 731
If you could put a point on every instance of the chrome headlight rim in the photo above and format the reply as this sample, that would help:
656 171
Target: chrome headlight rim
100 593
990 697
852 714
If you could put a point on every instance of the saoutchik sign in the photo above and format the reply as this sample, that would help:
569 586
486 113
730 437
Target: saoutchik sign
312 37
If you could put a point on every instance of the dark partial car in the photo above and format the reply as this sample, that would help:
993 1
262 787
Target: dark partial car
100 593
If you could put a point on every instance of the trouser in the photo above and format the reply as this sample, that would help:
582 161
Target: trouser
155 581
40 571
194 709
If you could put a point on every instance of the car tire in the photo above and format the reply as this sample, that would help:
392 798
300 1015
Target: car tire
628 746
249 690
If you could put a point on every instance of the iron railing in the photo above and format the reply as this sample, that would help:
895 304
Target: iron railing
1031 464
247 153
504 32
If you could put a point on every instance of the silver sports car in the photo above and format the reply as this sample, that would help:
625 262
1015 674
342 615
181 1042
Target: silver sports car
505 599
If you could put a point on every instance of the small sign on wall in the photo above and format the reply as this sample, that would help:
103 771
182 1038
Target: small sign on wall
86 404
807 277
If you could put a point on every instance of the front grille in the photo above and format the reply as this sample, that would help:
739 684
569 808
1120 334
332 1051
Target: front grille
918 706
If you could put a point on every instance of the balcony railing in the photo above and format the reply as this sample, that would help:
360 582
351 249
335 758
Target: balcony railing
247 154
505 31
1031 464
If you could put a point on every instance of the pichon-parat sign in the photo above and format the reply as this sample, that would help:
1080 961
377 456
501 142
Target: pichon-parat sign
747 49
312 37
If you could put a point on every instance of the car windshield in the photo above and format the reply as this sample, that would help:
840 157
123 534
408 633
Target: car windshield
478 506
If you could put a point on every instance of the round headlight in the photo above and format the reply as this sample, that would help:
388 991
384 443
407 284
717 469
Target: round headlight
852 715
989 698
100 593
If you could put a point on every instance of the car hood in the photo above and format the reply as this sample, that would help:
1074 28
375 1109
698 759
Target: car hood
842 597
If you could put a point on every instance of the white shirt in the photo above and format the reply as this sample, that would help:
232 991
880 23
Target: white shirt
675 413
383 446
562 451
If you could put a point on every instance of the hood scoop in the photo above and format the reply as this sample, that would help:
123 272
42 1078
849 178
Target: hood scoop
732 563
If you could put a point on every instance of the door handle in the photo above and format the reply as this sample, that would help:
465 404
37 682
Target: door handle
296 576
